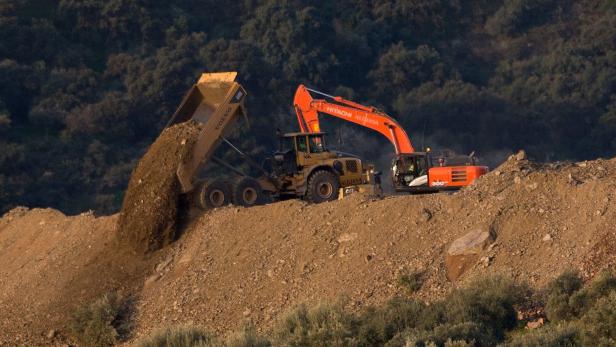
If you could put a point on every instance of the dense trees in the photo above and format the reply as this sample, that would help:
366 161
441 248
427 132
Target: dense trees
85 86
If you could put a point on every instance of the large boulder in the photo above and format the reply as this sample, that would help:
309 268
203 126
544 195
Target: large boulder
464 252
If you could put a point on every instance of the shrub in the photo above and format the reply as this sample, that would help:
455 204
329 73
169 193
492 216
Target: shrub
379 325
600 287
568 300
247 337
565 335
599 324
181 337
490 302
411 281
321 325
98 323
452 334
559 292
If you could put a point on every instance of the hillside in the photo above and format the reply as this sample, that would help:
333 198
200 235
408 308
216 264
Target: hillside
233 264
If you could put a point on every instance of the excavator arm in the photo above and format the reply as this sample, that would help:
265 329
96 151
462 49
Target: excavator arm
307 110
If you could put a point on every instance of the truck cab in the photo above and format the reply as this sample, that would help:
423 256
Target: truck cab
301 156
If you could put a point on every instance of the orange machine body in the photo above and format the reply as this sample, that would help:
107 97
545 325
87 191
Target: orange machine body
440 175
454 176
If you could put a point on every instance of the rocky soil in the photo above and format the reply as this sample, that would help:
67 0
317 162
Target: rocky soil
233 265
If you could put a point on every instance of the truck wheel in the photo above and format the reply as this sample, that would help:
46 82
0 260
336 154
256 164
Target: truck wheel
212 194
322 186
247 192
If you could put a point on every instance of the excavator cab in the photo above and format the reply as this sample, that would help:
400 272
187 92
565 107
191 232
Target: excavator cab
411 170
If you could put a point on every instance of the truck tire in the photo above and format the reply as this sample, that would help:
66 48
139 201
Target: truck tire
247 192
322 186
213 194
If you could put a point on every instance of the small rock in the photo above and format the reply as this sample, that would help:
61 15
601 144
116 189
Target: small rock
532 186
486 261
547 238
535 324
347 237
517 180
521 155
246 312
572 180
51 334
497 173
150 280
163 265
426 215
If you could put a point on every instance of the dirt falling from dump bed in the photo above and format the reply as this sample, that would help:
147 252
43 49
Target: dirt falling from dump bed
149 213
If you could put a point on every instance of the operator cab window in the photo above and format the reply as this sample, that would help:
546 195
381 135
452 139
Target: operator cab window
317 145
302 146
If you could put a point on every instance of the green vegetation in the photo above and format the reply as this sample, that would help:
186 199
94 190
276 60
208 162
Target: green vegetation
484 313
100 323
85 86
411 281
180 337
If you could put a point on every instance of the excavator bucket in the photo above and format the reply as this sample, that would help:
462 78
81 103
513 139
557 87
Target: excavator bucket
215 101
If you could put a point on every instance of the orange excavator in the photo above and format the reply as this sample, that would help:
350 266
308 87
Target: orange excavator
414 172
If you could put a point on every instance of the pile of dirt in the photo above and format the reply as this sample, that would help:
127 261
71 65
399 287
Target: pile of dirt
234 265
50 263
149 212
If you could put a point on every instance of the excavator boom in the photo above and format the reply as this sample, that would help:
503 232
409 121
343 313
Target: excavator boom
307 110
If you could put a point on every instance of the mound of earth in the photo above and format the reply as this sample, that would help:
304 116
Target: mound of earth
149 212
233 265
50 263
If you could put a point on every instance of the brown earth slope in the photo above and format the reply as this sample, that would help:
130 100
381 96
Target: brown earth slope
234 265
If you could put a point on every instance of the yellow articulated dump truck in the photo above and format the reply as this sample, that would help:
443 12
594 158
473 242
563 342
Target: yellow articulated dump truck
302 167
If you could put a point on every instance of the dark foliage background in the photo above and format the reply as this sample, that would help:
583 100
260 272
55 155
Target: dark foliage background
86 85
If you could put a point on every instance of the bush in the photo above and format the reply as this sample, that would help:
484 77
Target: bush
451 334
247 337
490 302
100 322
559 292
321 325
567 299
181 337
600 287
379 325
564 335
599 324
411 281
